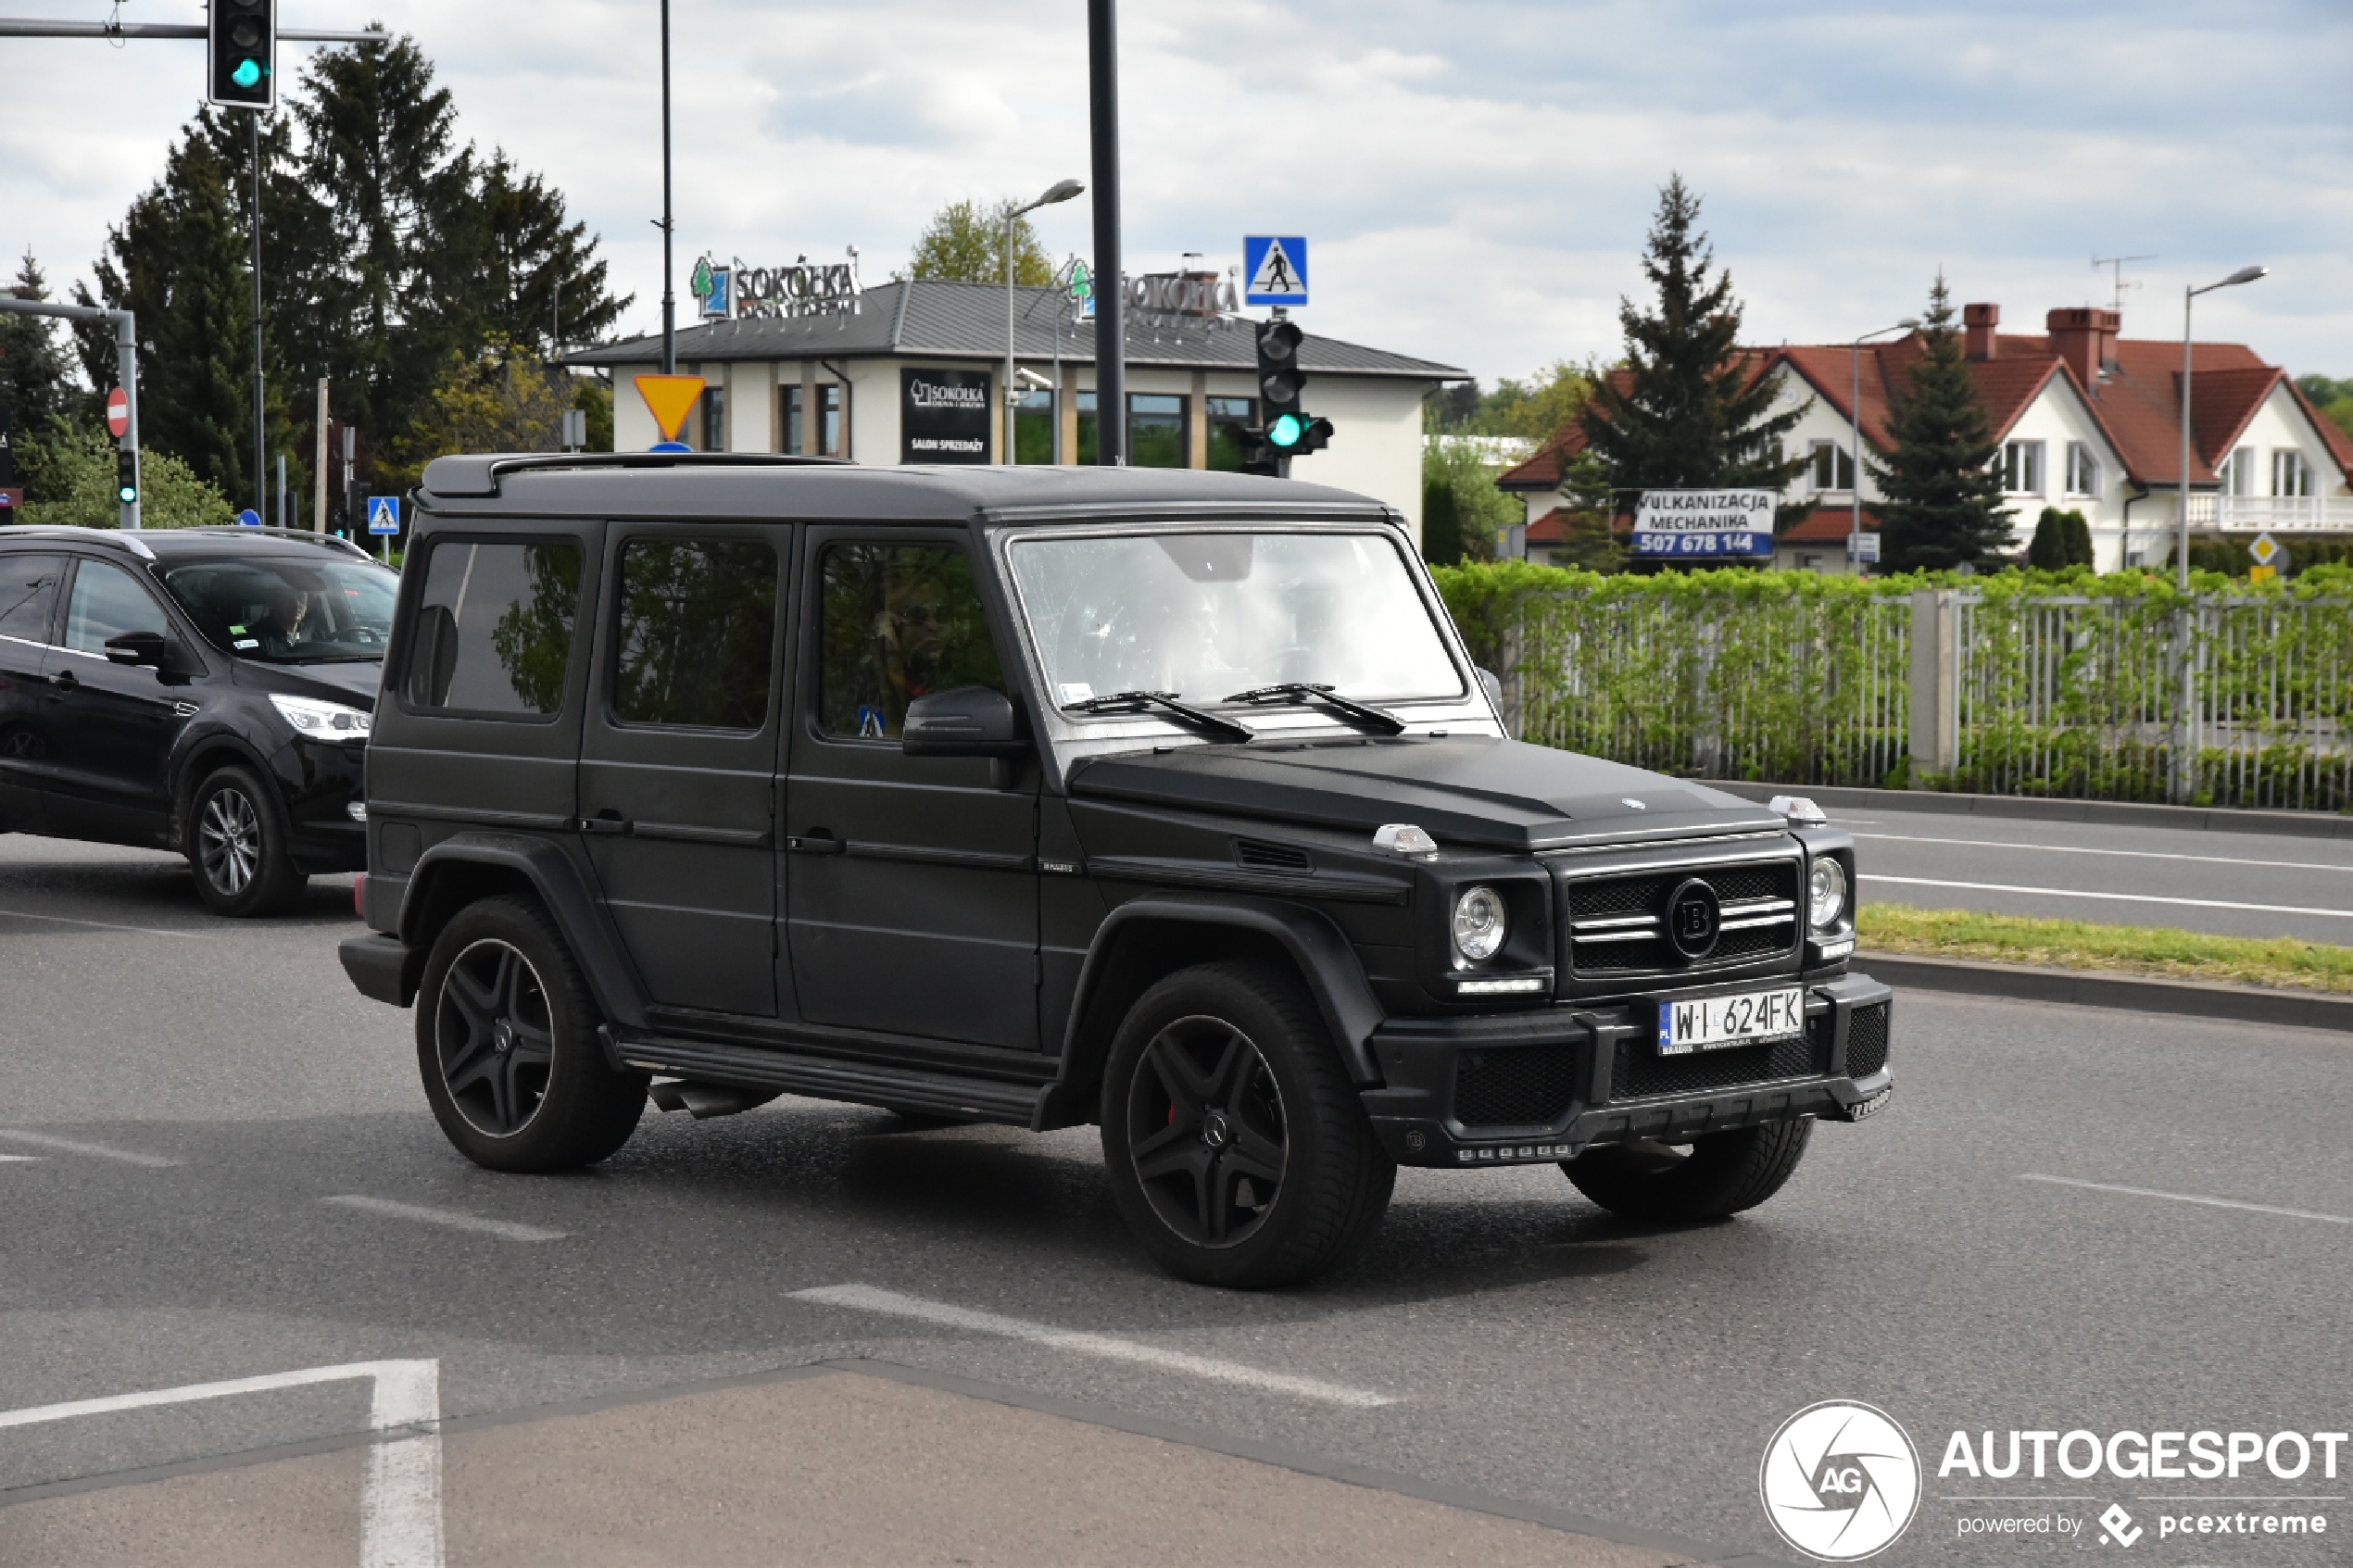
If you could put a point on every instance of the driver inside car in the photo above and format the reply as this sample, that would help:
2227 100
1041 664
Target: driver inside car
282 629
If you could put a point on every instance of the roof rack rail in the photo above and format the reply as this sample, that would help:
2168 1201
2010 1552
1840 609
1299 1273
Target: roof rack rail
296 535
127 537
479 474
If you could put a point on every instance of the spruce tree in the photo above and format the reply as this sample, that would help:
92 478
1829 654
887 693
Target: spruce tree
36 387
1942 499
1697 416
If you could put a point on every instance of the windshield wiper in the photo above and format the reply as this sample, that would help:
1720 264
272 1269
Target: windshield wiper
1365 714
1226 729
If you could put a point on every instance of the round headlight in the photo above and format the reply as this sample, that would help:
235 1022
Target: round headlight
1479 924
1826 892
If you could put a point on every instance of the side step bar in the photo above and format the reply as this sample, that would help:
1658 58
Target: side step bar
860 1082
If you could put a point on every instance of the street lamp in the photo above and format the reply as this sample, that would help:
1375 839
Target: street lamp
1060 192
1855 410
2182 522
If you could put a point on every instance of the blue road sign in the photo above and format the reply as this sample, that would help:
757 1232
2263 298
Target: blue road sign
248 518
383 514
670 446
1275 269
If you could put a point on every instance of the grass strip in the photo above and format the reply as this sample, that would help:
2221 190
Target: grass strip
2131 949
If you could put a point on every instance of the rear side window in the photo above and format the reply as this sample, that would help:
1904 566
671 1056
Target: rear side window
697 634
27 593
108 602
899 622
494 628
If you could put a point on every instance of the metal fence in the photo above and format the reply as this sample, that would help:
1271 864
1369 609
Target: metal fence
2241 698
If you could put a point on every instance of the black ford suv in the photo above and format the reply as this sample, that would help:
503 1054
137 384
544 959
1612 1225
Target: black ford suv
206 690
1168 801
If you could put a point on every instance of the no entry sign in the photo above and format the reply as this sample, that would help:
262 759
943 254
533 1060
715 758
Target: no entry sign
118 413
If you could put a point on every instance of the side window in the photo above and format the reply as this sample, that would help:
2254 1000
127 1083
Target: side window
697 634
494 628
27 593
897 622
108 602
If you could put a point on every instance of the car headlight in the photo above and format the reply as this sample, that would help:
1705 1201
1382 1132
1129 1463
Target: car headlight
321 721
1826 892
1479 924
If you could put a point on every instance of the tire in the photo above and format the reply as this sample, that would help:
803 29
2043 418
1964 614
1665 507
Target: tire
506 1045
1239 1152
1724 1174
236 841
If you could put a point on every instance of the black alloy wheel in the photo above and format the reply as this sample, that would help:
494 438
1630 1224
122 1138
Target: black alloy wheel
495 1033
1205 1131
1237 1150
236 845
1711 1178
508 1048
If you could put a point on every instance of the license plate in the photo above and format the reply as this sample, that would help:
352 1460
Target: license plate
1715 1024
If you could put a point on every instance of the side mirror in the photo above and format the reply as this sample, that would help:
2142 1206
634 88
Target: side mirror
962 721
1493 687
153 649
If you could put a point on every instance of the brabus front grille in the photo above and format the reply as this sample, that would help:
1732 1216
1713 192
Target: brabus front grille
1867 1040
1617 923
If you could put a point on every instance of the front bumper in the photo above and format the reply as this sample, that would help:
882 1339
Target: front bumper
1528 1087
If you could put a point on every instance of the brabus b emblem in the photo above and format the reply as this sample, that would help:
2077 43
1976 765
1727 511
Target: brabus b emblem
1693 919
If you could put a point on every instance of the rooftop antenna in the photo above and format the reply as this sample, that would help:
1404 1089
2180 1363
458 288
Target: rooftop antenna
2118 283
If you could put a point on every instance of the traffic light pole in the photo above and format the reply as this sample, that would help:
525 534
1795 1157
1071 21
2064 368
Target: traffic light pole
126 348
1111 287
260 388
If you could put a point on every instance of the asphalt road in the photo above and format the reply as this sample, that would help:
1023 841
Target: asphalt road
2237 885
219 1168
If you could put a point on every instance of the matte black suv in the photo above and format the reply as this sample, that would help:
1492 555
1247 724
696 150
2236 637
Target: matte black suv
1168 801
206 690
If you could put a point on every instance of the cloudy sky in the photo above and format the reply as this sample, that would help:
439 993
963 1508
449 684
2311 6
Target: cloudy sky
1475 177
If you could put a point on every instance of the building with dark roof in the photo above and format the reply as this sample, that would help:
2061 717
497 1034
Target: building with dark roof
2089 420
910 371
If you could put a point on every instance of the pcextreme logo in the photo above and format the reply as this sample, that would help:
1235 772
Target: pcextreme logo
1841 1481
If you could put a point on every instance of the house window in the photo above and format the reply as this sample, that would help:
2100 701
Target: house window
2082 470
1228 417
2237 473
2291 475
2022 468
828 426
1034 426
1833 467
1157 433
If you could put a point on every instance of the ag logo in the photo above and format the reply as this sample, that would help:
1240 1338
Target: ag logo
1839 1481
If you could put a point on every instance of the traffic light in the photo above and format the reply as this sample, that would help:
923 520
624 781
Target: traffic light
1285 430
126 475
241 49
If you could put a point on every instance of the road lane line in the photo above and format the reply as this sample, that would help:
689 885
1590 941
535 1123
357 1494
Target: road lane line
2127 854
2111 897
19 1159
2191 1198
105 925
866 1298
95 1150
508 1229
399 1496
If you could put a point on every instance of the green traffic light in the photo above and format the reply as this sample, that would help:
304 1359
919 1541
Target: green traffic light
127 495
247 74
1287 431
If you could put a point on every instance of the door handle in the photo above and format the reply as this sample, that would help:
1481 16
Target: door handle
816 841
65 681
606 821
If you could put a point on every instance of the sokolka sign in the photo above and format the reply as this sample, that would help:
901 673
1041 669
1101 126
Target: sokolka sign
1687 523
724 291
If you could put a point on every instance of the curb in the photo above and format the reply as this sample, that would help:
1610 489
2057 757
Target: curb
2194 999
2119 813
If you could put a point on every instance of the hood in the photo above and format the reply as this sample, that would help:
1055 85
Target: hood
1472 791
354 684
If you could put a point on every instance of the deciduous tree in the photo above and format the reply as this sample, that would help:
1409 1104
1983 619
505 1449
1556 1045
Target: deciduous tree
964 242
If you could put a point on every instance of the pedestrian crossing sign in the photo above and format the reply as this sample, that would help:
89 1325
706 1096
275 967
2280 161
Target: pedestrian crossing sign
1276 267
383 514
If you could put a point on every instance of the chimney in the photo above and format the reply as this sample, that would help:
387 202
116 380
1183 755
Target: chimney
2084 335
1981 320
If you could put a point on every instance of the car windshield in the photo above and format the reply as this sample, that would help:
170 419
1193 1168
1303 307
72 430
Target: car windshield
1208 615
287 612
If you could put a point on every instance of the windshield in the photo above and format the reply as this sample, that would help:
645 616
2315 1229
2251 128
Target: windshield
1206 616
288 611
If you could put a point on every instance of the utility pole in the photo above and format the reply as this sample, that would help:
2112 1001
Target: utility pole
669 299
319 472
1110 288
126 350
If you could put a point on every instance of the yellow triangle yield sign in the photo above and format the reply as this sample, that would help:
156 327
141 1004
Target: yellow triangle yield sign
671 399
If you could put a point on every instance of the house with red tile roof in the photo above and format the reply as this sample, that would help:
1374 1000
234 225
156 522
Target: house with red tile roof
2089 420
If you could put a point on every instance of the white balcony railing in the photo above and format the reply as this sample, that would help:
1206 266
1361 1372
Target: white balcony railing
2307 514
